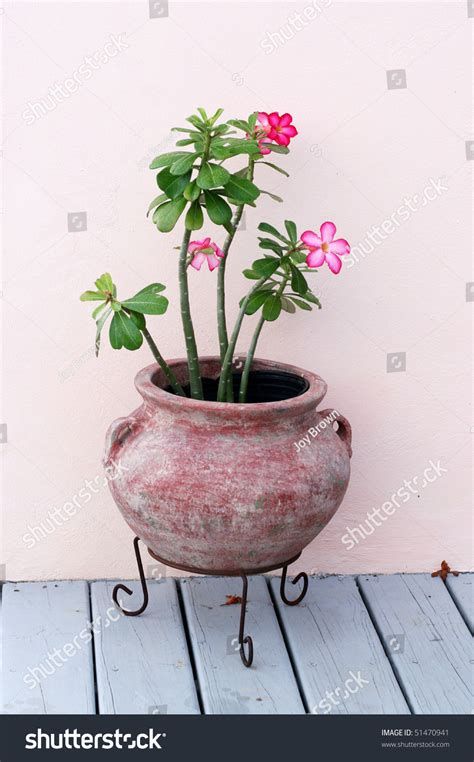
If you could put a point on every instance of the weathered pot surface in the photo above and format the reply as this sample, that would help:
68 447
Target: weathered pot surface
223 487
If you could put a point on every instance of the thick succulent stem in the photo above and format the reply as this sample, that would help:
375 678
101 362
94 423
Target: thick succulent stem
221 314
229 355
191 347
253 345
249 360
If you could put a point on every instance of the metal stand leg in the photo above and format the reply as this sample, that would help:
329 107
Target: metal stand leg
245 640
301 575
127 589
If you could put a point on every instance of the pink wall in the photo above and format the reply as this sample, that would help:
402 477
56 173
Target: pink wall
368 156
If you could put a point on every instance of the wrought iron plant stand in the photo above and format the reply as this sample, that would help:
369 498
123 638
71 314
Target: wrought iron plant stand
244 640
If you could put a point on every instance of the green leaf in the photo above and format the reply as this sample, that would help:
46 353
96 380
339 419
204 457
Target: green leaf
310 297
168 214
156 202
241 189
265 267
253 120
98 310
212 176
92 296
276 148
222 129
216 116
115 333
124 333
116 306
239 123
274 166
269 243
272 307
218 210
265 227
186 141
235 201
298 257
291 230
172 185
148 301
99 325
203 114
196 122
287 305
194 218
192 191
165 159
272 195
251 274
184 164
138 319
255 302
104 283
298 281
156 212
186 129
300 303
230 147
248 145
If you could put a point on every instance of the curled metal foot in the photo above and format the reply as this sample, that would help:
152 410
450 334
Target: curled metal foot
245 640
294 581
247 659
127 590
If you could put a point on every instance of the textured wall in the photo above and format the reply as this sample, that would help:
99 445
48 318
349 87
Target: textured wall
380 93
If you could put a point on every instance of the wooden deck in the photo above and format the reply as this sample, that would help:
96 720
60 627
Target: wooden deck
397 644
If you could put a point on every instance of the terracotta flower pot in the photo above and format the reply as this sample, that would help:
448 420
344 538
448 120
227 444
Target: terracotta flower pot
221 487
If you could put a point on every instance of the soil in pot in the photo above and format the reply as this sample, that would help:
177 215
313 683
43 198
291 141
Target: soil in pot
263 386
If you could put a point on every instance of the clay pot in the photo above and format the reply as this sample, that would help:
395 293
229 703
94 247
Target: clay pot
223 487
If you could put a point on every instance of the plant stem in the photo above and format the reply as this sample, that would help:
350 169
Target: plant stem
253 344
191 348
221 316
174 383
229 355
249 360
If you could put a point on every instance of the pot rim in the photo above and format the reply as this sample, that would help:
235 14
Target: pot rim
150 381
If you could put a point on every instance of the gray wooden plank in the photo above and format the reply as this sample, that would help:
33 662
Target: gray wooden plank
338 656
47 657
426 640
462 591
142 663
227 686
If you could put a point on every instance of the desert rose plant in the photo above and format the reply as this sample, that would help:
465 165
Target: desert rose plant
195 184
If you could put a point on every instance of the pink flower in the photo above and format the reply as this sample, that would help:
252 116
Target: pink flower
273 128
281 129
260 132
263 127
261 145
203 250
324 248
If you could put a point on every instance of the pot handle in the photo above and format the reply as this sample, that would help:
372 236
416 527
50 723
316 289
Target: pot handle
344 431
118 431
